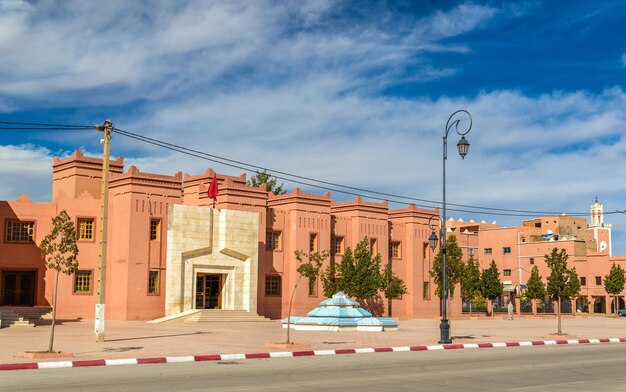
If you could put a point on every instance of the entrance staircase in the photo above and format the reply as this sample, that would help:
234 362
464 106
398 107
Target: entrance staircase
220 315
21 316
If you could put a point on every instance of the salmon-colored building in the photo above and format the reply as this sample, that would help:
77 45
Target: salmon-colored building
516 250
169 251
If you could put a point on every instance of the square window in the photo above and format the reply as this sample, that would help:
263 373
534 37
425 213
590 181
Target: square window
82 281
598 280
313 242
272 240
338 245
153 282
507 272
532 260
155 229
583 281
272 285
394 250
17 231
470 251
85 229
506 249
488 251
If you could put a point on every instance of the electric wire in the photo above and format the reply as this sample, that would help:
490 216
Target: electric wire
294 178
332 186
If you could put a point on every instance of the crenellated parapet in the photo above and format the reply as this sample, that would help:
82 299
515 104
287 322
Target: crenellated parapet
78 173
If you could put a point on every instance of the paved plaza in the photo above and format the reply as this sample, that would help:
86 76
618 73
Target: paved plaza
139 339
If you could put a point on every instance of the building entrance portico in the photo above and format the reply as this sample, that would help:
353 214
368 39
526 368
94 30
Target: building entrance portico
212 259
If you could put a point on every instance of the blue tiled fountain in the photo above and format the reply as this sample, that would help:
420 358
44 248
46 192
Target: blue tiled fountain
341 313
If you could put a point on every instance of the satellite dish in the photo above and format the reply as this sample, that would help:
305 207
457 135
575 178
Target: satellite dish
549 231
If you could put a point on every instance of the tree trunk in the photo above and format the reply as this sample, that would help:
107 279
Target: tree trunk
289 311
615 304
54 311
558 315
389 306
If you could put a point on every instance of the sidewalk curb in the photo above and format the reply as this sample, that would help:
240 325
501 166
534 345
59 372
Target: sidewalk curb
292 354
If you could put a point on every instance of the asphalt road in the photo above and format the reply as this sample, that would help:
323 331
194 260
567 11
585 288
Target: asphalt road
554 368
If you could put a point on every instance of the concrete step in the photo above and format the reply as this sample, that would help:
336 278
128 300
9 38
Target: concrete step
9 319
219 315
31 313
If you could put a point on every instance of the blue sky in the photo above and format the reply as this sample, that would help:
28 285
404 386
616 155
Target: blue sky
356 93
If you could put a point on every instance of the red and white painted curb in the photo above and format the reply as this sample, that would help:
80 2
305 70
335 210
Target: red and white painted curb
291 354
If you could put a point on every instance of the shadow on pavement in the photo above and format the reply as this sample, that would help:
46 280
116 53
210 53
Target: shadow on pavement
157 337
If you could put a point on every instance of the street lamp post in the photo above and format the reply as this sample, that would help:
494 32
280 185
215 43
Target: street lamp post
463 148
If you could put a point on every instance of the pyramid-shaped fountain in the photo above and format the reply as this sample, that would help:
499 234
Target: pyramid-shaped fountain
341 313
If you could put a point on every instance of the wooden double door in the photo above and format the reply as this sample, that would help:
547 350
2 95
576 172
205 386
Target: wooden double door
18 288
209 291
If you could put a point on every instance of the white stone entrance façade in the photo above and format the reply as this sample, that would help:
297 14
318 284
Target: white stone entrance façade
212 259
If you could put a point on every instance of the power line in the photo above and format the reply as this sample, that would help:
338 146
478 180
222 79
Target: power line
294 178
43 129
329 185
47 125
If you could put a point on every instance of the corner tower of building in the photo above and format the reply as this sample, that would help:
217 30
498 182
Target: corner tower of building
78 174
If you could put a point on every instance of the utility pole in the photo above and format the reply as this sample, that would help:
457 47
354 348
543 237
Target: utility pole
102 247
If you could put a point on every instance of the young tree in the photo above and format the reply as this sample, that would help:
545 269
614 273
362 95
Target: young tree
563 283
263 177
491 286
614 284
392 286
61 254
535 288
359 272
454 268
307 269
470 281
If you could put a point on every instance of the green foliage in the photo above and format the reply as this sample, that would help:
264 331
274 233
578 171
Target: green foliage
470 280
263 177
59 246
535 288
392 286
614 281
491 286
313 264
563 283
454 268
359 272
330 281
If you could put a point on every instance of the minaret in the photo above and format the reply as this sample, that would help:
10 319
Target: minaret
601 231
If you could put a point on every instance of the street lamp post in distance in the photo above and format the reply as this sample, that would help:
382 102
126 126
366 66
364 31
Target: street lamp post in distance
462 148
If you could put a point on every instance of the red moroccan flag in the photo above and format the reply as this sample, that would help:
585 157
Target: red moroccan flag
213 188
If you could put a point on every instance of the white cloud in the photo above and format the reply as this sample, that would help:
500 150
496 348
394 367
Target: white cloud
25 169
272 83
173 48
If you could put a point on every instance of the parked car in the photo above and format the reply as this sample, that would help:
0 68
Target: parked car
621 312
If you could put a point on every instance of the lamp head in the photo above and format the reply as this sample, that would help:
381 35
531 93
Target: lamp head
433 240
463 147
